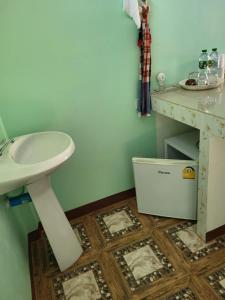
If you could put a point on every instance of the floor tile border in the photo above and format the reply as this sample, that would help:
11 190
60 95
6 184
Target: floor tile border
185 293
213 280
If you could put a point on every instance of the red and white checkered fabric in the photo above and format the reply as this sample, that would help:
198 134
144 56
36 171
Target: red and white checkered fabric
144 43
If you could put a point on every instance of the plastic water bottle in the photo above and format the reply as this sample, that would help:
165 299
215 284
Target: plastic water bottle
203 65
203 60
213 66
213 59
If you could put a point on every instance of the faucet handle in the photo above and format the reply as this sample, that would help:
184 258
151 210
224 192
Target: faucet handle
4 145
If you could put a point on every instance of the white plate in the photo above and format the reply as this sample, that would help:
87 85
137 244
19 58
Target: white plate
199 87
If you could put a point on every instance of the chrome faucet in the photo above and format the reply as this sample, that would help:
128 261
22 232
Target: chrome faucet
5 144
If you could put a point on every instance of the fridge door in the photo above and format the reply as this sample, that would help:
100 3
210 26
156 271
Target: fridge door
166 187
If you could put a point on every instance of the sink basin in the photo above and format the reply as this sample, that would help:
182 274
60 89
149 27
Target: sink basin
28 161
42 147
31 157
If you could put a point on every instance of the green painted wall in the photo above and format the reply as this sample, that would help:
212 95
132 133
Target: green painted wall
72 66
63 67
180 30
14 276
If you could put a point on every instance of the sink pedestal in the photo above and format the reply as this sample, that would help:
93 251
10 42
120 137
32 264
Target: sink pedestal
31 158
65 245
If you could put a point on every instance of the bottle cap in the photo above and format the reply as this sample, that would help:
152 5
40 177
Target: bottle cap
204 50
214 49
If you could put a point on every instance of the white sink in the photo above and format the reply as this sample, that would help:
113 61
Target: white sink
28 161
31 156
44 147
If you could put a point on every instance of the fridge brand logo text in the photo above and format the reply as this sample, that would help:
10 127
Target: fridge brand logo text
163 172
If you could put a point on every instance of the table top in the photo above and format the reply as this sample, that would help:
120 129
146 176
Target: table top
211 102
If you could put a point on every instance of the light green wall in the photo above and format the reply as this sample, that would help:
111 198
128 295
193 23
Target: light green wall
14 276
180 30
63 67
73 66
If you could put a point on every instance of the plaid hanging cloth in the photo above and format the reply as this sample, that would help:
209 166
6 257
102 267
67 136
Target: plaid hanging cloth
144 105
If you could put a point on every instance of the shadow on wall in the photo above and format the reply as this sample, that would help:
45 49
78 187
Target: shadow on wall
3 133
138 147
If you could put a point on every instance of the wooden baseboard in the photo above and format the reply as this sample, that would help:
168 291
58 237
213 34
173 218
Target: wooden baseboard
213 234
88 208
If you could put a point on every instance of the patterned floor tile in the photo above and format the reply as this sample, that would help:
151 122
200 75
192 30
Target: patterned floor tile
143 258
216 281
189 237
185 237
184 294
142 263
84 283
80 231
118 222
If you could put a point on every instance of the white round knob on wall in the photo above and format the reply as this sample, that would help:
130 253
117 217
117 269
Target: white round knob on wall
161 77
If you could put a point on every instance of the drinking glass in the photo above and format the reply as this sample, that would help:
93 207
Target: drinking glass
194 75
203 78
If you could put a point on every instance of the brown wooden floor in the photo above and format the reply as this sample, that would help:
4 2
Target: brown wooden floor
128 255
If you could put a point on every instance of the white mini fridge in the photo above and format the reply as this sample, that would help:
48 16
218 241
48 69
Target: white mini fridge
166 187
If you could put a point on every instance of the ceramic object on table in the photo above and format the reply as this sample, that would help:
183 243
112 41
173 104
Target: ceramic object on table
199 87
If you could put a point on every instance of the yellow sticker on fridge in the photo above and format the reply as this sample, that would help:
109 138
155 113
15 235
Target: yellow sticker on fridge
189 173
